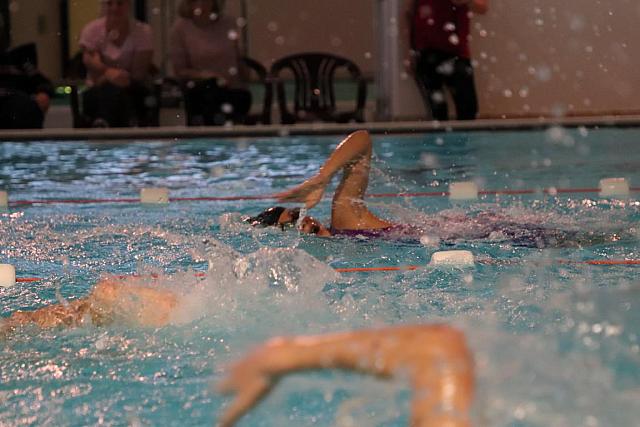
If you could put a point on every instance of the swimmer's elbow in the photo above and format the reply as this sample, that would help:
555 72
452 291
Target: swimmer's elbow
361 133
361 140
362 136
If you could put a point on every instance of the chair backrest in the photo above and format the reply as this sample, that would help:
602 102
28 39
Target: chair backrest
24 57
314 75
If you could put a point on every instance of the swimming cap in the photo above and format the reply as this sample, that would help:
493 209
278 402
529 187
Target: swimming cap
271 217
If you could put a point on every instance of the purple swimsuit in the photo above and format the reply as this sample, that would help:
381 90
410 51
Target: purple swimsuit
396 231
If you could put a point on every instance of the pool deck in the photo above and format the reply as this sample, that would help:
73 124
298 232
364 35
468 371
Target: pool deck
399 127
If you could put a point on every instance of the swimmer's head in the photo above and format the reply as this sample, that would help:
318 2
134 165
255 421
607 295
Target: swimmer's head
282 217
310 225
276 216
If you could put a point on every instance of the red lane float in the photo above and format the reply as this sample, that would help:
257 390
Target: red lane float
596 262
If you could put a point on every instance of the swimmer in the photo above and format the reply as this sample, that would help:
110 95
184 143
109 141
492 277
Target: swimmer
348 209
110 300
434 358
351 217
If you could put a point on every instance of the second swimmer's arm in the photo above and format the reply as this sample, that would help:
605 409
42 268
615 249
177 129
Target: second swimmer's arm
70 314
435 359
110 298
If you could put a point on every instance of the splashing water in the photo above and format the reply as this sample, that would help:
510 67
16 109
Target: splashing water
555 344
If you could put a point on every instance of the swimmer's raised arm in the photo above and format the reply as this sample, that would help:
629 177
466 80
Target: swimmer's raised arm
354 148
434 358
348 210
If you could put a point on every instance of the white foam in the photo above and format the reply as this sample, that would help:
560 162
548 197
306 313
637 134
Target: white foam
7 275
614 187
4 200
266 285
460 258
154 195
463 190
303 213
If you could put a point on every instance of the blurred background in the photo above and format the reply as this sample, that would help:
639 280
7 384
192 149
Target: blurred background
535 58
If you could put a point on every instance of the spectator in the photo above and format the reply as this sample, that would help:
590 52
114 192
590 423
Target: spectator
204 54
440 54
25 93
117 52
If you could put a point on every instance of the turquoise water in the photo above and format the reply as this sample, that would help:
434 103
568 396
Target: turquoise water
555 344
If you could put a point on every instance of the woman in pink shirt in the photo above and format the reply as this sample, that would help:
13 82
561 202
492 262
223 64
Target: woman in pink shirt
117 52
204 53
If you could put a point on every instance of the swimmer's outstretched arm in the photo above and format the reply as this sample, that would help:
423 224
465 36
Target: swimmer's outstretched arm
434 358
110 298
355 147
68 315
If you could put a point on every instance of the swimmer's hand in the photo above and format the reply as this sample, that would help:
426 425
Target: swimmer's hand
309 192
250 380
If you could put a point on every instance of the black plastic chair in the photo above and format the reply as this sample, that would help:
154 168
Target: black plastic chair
314 92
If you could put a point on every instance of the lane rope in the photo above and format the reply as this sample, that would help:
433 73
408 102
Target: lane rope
594 262
507 192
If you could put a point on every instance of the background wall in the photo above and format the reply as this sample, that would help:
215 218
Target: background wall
280 27
80 13
38 21
551 57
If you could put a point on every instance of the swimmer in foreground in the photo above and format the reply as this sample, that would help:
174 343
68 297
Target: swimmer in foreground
348 209
122 300
434 358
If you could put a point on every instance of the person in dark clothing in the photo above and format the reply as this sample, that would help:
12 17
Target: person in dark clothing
440 54
25 93
204 53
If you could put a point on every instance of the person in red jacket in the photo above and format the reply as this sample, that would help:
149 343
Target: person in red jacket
440 54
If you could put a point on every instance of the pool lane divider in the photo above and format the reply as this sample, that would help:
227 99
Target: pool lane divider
593 262
463 190
602 263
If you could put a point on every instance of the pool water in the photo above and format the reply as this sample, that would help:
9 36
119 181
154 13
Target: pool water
555 343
